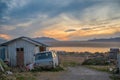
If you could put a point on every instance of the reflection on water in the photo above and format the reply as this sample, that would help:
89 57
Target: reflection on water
80 49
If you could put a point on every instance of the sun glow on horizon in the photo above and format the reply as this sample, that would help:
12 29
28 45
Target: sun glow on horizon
5 36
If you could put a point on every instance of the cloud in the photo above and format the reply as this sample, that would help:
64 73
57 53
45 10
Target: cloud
70 30
85 28
42 18
103 11
94 33
3 7
21 10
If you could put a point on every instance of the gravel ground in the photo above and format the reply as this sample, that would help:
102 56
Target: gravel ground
76 73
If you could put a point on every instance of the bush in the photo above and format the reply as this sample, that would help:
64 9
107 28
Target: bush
99 68
2 76
70 64
5 67
39 69
95 61
113 77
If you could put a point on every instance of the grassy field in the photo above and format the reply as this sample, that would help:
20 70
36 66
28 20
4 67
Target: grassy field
71 60
99 68
33 75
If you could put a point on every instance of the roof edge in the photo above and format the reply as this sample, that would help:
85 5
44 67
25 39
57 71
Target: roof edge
26 39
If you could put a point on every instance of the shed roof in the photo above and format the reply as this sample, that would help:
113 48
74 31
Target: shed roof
26 39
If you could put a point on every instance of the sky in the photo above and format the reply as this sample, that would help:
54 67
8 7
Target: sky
60 19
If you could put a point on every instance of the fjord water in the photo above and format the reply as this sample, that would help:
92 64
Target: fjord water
80 49
87 47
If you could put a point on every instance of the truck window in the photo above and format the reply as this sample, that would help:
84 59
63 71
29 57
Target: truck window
43 56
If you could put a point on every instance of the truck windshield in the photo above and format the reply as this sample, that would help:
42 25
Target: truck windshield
45 55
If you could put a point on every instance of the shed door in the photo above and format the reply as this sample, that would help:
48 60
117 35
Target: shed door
20 56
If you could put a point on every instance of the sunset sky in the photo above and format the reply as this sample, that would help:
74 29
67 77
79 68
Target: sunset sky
60 19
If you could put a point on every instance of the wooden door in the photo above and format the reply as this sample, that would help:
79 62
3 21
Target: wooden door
20 56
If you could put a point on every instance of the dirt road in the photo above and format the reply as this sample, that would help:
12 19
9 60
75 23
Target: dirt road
76 73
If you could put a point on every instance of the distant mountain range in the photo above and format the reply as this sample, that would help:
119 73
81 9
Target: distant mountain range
54 42
48 39
45 39
117 39
90 43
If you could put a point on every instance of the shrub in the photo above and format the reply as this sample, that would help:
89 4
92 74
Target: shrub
70 64
2 76
113 77
103 68
95 61
39 69
5 67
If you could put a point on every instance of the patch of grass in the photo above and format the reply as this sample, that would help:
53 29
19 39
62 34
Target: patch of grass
21 78
70 64
25 78
57 69
99 68
3 76
114 77
18 76
6 77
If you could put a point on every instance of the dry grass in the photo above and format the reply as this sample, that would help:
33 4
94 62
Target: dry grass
71 59
99 68
49 75
115 77
33 76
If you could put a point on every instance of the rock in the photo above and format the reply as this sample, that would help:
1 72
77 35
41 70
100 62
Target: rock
9 72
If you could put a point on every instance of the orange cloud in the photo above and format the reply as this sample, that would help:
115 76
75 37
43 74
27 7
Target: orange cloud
5 36
96 32
61 35
58 34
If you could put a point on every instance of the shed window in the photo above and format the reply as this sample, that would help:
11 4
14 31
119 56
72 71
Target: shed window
21 49
17 49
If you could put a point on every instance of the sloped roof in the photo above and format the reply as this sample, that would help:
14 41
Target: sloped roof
26 39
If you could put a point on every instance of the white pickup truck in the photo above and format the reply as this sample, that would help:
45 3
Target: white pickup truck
46 59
